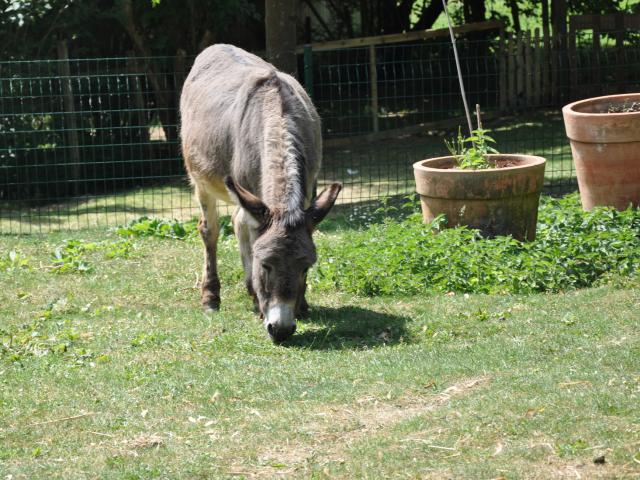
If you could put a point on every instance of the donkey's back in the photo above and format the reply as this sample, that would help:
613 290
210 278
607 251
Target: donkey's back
227 111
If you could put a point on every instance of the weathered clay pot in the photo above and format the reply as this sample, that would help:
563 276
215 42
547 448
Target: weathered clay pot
606 151
496 201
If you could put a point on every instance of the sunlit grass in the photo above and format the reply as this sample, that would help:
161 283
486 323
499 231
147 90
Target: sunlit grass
113 372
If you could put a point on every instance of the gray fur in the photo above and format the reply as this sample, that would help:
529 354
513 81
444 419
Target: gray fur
228 100
251 136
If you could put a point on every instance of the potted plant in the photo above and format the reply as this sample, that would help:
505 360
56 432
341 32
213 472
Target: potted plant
604 133
476 186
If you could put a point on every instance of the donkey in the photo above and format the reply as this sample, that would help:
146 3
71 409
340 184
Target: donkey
251 136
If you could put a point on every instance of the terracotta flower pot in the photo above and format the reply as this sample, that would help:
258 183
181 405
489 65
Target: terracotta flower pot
606 151
496 201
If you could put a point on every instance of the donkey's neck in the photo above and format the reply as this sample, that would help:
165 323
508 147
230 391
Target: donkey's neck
282 162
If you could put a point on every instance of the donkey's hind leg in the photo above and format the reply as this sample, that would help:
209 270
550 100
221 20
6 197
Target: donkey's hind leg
209 230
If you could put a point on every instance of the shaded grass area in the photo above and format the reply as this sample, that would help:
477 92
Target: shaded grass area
384 168
170 201
369 172
115 373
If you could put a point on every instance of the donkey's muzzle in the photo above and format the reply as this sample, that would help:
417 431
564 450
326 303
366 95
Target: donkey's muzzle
280 322
280 334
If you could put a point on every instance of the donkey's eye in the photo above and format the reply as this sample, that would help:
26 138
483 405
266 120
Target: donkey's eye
266 267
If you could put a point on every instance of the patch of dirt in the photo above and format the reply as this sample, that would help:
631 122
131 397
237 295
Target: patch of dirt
501 163
333 429
132 446
626 107
505 163
555 467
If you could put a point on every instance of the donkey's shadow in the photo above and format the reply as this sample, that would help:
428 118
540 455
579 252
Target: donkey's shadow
346 327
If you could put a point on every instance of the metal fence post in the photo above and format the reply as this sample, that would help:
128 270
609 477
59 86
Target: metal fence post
373 78
71 123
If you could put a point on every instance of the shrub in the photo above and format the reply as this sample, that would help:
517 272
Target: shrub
12 261
71 257
573 249
153 227
173 229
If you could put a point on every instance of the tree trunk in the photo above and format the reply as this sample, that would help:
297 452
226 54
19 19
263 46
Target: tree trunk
474 11
545 18
429 15
167 110
280 23
365 18
395 17
559 17
320 20
515 14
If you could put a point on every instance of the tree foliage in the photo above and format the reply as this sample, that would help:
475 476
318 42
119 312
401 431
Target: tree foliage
30 28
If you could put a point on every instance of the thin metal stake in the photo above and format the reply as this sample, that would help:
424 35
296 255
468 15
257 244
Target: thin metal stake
455 53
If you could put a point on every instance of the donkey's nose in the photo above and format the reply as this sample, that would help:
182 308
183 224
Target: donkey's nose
280 322
279 333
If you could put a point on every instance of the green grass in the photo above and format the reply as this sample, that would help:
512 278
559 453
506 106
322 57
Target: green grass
112 371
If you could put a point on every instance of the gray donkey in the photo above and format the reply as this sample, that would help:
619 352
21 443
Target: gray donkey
251 136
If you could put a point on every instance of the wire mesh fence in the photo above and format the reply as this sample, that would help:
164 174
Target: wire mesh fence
387 106
89 141
95 141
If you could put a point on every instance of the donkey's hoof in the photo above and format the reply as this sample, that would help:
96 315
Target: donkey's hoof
210 304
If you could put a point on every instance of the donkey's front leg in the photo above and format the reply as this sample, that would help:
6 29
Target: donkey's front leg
245 242
209 229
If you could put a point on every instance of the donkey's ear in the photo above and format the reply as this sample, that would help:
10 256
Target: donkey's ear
247 200
323 203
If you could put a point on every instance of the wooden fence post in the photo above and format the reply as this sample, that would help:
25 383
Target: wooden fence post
528 62
596 89
180 69
138 98
619 34
502 66
373 79
71 124
546 65
308 70
573 62
520 68
511 72
555 66
537 82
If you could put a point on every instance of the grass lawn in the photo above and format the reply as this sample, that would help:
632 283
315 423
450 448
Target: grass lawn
115 373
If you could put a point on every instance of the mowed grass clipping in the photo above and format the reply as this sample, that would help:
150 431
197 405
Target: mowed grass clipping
108 369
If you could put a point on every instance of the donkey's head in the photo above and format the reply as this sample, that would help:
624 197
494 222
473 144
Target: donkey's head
282 254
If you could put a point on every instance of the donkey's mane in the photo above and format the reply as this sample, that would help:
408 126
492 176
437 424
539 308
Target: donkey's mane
284 162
